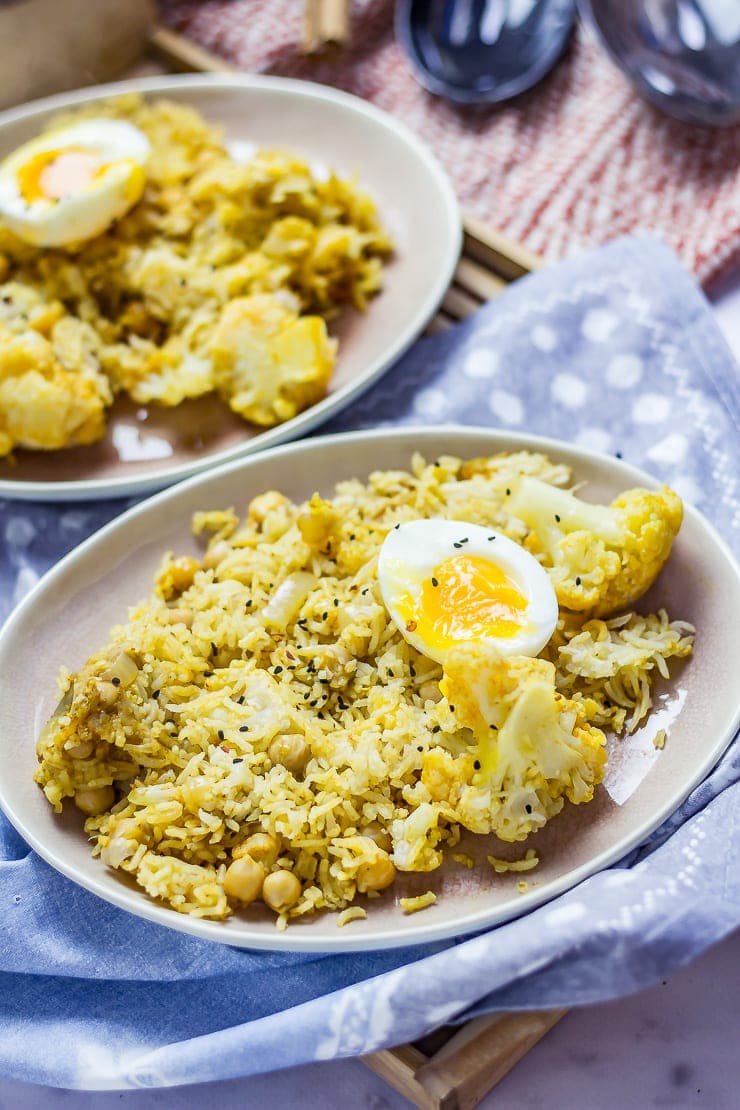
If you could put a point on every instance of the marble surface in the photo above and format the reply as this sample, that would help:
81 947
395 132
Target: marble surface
673 1046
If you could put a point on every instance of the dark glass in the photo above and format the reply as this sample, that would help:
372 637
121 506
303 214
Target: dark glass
483 51
682 55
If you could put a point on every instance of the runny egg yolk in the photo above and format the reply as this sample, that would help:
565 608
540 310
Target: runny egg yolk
467 598
53 174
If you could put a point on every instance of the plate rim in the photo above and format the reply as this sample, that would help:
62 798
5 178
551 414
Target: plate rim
292 940
86 489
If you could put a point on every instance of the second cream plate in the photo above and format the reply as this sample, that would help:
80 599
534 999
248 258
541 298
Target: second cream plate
145 450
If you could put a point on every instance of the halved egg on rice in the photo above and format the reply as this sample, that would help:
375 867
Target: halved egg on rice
70 185
445 583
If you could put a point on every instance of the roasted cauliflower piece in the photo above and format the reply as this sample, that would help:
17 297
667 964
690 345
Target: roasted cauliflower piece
51 392
533 748
600 558
269 363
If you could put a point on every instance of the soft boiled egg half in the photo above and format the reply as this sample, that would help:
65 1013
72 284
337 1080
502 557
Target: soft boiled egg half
70 185
446 583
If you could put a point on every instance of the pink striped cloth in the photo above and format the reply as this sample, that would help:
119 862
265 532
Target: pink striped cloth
577 161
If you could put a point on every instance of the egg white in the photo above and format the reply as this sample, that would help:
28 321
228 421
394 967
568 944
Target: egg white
123 151
412 551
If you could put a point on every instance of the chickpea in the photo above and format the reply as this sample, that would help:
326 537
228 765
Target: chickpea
82 750
243 879
376 874
262 847
290 750
281 890
108 692
95 799
180 616
182 572
378 835
215 554
430 691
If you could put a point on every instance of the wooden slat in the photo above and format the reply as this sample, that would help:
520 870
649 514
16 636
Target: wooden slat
477 280
468 1065
494 251
459 304
180 53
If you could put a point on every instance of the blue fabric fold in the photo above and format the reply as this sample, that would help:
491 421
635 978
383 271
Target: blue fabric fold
616 350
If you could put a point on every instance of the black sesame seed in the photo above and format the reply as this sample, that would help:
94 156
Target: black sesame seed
437 728
239 759
351 535
243 728
324 615
240 699
208 674
557 518
302 623
435 582
249 603
116 681
396 527
476 764
464 540
336 602
363 592
412 669
276 670
508 493
457 545
214 649
310 666
156 693
452 709
390 672
307 695
314 702
420 747
617 454
220 734
491 538
528 808
578 580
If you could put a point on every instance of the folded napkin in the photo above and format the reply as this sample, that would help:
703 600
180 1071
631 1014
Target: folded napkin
616 350
576 161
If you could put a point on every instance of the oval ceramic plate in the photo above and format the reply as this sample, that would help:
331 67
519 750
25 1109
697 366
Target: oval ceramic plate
70 612
148 448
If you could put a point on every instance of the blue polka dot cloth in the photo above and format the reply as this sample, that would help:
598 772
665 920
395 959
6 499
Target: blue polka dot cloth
616 350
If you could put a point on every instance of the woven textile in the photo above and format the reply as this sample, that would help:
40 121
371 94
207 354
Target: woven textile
576 161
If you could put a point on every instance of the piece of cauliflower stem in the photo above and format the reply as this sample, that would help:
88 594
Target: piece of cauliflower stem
600 558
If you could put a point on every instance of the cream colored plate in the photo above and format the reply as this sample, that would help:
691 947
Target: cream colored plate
147 448
69 614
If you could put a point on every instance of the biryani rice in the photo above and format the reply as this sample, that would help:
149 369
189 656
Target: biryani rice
214 670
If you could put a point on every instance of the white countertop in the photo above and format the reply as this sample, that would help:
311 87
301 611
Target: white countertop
672 1046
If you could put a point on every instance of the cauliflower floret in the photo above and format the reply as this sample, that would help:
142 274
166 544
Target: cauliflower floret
533 747
600 558
48 399
269 363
